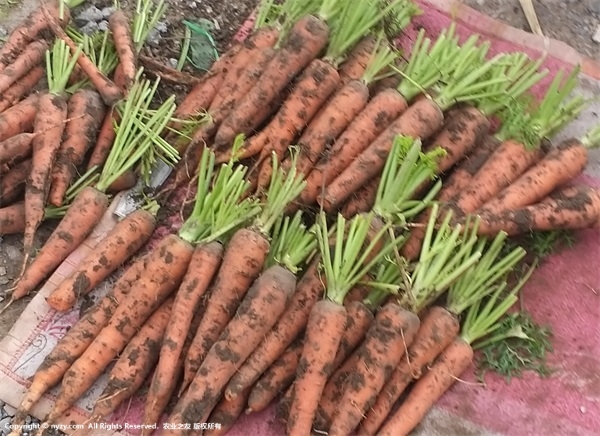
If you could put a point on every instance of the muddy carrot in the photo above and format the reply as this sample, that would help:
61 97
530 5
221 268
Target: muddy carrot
362 201
21 87
16 148
12 183
30 58
18 118
226 414
118 24
12 219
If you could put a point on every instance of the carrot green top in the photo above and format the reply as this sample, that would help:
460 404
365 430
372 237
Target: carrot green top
353 254
486 276
59 65
406 169
482 318
383 55
146 16
138 133
292 244
387 279
444 258
592 138
219 209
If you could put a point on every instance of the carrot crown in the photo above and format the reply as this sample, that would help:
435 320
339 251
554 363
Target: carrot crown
292 244
290 11
406 169
383 55
138 134
285 186
59 65
219 209
353 253
482 318
443 260
387 276
486 276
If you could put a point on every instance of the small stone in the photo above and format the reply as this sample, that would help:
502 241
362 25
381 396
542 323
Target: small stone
12 252
161 27
209 10
106 12
594 6
2 270
103 26
4 280
10 410
173 62
28 420
89 28
3 31
4 425
596 37
91 14
2 403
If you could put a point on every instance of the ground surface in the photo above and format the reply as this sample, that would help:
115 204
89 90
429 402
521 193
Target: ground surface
572 21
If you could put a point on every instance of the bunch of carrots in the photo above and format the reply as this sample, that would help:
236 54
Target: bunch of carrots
381 294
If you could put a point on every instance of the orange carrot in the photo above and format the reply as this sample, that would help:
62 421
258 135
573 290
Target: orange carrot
310 287
358 59
76 340
31 57
18 118
438 329
29 30
572 207
306 39
89 205
85 111
311 90
258 312
389 336
123 241
276 379
341 109
324 331
559 166
13 182
118 24
105 138
374 119
16 148
453 361
244 258
12 219
203 266
420 120
225 414
503 167
163 270
134 364
363 200
21 87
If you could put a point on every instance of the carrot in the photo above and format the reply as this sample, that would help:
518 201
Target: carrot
323 335
306 39
105 138
118 24
163 270
13 182
31 57
203 266
225 414
89 205
291 323
279 376
358 59
18 118
453 361
309 93
29 30
20 88
110 92
572 207
134 364
363 200
374 118
16 148
437 330
76 340
258 312
242 263
419 121
12 219
124 182
341 109
389 336
559 166
123 241
85 111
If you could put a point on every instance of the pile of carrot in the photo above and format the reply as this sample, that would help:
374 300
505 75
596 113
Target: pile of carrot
347 245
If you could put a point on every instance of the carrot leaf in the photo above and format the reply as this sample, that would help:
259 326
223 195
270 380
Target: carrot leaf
146 16
387 276
592 138
292 244
285 186
382 56
406 169
59 65
218 208
291 11
353 254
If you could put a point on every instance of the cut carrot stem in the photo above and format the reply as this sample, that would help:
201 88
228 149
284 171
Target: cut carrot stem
134 364
18 118
21 87
123 241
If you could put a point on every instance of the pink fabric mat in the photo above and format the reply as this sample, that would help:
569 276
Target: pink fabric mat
563 293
